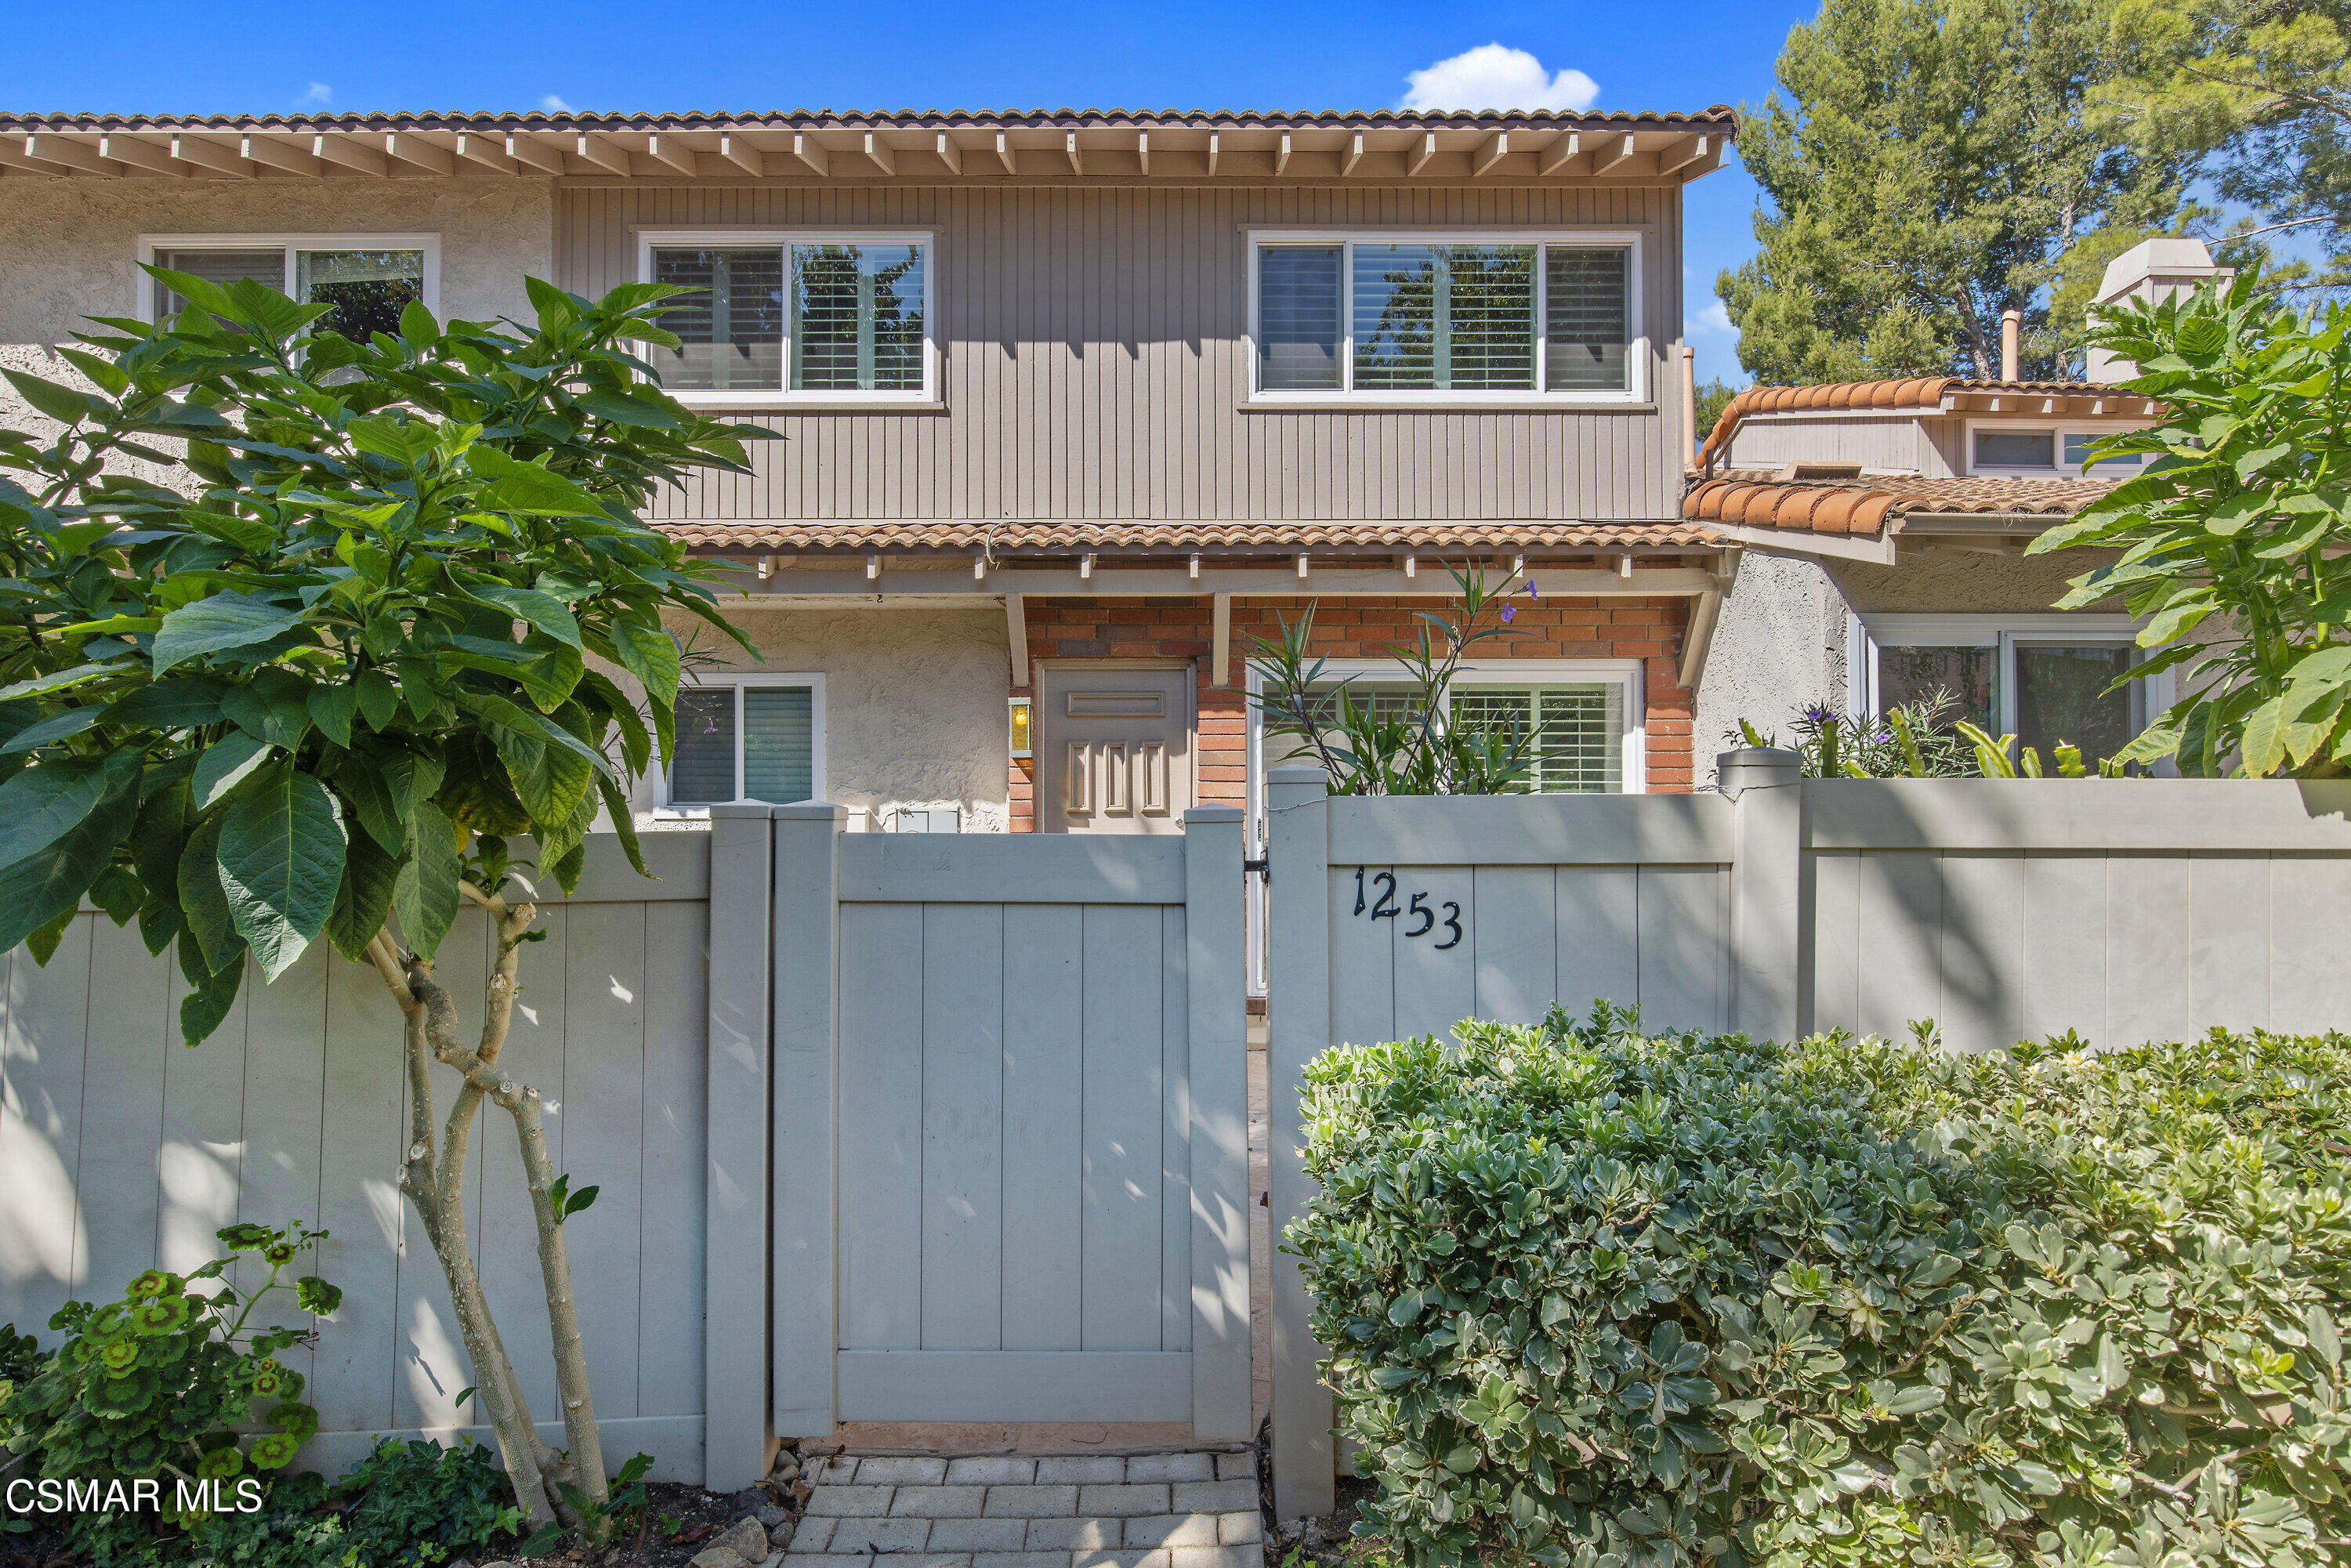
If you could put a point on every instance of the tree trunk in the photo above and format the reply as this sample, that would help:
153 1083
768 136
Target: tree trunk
434 1180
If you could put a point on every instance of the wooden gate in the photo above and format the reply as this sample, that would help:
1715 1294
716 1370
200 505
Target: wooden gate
1010 1122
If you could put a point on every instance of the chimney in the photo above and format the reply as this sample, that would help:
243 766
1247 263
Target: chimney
1689 409
2153 270
2012 322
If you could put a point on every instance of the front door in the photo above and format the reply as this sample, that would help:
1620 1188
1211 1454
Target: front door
1113 747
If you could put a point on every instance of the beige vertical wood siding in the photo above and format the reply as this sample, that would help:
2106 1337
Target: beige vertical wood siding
1094 364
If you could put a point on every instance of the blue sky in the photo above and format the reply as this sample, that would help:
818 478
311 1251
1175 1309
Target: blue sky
917 54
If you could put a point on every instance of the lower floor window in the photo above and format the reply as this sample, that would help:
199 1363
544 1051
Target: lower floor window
365 283
2047 680
746 740
1577 729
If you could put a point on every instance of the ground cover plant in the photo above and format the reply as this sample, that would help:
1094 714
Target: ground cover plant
1614 1301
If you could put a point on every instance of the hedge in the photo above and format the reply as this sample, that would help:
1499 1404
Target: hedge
1615 1301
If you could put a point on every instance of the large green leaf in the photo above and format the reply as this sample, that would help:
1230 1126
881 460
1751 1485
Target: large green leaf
160 836
551 781
38 887
226 764
274 705
543 611
203 902
425 896
41 804
282 849
364 900
219 624
525 487
649 653
211 995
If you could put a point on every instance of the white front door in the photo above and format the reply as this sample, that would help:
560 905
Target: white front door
1113 747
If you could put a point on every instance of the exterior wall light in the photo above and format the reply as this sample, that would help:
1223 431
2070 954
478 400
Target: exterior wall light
1020 740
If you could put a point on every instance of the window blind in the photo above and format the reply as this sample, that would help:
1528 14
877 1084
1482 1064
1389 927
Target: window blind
2016 449
779 745
701 765
730 328
1586 298
1444 317
1298 316
857 318
222 267
1578 731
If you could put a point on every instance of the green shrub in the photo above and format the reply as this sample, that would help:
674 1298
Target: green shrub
1617 1302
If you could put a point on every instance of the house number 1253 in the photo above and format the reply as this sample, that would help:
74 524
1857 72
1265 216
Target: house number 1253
1382 905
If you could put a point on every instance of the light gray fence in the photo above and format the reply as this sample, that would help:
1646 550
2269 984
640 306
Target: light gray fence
2128 910
120 1149
1011 1122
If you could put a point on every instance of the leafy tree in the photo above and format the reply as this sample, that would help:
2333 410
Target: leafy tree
313 695
1713 397
1930 167
2234 541
2260 91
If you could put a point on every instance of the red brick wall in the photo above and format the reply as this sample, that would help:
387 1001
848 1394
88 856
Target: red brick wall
1649 630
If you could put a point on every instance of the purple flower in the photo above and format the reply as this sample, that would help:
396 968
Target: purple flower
1817 714
1510 613
1532 592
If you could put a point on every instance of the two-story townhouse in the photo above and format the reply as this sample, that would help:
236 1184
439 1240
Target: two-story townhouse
1887 523
1070 404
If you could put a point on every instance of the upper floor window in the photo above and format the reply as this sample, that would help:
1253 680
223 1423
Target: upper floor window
1472 318
367 279
802 317
2047 452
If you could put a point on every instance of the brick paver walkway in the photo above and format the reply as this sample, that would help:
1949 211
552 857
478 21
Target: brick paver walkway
1152 1511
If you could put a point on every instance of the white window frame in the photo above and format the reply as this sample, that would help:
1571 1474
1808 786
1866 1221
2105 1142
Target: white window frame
430 244
2057 432
1635 392
928 396
1867 634
812 680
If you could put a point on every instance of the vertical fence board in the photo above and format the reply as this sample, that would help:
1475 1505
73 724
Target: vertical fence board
285 1066
1362 962
203 1138
1982 951
1514 930
1836 942
2310 954
2063 985
360 1202
603 1117
962 1231
670 1326
1683 954
1175 1135
1599 934
2228 941
1044 1125
132 1032
1901 909
882 1122
42 1071
2147 936
1435 989
1119 1283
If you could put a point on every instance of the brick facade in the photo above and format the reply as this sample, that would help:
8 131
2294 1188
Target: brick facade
1647 629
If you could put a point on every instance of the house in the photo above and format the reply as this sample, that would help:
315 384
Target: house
1884 525
1072 404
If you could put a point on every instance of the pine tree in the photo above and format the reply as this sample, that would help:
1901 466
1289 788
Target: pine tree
1930 166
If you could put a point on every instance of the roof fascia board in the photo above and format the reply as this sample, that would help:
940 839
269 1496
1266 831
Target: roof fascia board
1879 551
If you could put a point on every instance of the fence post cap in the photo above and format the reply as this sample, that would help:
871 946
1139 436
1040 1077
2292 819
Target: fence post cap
1298 773
808 811
1757 767
734 810
1207 815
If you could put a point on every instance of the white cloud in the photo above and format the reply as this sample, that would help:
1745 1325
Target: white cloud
319 93
1715 317
554 105
1494 77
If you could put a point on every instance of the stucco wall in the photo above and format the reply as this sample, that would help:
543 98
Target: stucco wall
914 701
1780 644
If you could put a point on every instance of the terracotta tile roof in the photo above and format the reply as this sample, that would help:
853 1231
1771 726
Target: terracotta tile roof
1719 115
1919 394
1759 498
1169 538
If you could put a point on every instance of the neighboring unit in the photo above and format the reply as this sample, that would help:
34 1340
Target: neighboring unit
1887 523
